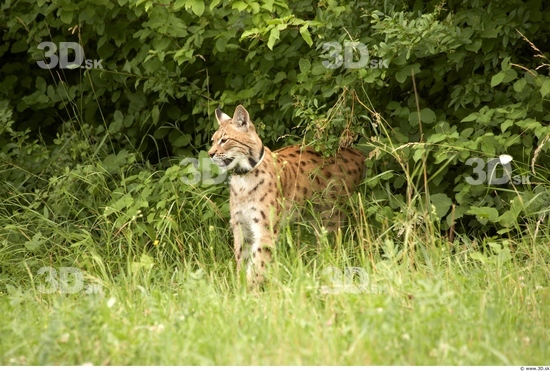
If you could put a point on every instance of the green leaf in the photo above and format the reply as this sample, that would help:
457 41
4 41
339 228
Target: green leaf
155 114
484 214
162 44
115 127
279 77
66 16
498 78
519 85
437 137
41 84
114 162
19 46
474 46
503 77
471 117
306 35
476 255
489 33
268 5
545 88
273 37
197 7
220 44
35 242
179 4
407 71
401 75
418 154
508 219
118 116
318 69
305 65
427 116
506 124
214 4
145 262
182 140
442 204
239 5
466 132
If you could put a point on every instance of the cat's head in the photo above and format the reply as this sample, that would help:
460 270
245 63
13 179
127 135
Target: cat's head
236 145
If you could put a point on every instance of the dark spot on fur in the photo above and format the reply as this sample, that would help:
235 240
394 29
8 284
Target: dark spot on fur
256 186
256 220
263 214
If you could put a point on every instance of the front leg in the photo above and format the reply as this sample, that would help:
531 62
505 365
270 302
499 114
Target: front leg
260 254
239 239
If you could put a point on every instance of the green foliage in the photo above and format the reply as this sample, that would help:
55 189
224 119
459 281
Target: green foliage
103 169
452 82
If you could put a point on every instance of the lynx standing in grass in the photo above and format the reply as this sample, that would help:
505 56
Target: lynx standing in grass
265 186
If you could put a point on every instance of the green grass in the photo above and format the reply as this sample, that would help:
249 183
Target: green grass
159 286
417 304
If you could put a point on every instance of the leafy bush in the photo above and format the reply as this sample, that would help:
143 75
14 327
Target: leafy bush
453 82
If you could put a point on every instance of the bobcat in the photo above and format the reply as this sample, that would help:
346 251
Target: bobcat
265 186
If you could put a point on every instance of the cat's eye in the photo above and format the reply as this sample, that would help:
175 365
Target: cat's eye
222 141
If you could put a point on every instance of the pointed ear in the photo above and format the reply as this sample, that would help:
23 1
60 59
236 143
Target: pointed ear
221 117
241 118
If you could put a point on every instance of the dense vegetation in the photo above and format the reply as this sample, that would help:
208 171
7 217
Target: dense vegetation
450 101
